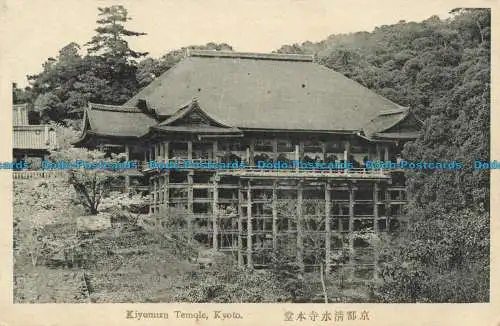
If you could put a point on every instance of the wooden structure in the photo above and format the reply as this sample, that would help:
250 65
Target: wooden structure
233 108
30 141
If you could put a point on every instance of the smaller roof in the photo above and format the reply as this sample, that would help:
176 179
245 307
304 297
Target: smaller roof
110 120
384 120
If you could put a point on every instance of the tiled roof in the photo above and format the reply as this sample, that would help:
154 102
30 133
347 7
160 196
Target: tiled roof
118 120
265 91
384 120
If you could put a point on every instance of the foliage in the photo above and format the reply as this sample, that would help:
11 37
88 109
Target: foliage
441 70
92 185
110 72
37 204
439 260
106 74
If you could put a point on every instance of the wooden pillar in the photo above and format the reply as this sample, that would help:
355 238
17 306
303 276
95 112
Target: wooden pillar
190 202
240 225
160 151
215 214
351 230
387 201
127 176
249 225
249 158
300 244
151 191
297 155
252 151
275 148
160 193
347 150
378 152
375 227
323 150
275 215
166 150
386 153
301 150
190 149
155 194
167 190
215 150
328 228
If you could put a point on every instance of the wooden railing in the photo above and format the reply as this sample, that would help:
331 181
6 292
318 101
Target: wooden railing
253 170
26 175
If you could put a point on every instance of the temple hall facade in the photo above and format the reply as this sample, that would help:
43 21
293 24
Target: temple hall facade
249 107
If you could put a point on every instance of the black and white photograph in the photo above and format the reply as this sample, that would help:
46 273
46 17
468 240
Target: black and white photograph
318 152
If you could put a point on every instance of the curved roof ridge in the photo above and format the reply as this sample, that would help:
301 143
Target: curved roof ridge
250 55
115 108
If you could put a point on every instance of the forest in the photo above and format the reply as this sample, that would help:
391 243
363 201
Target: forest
440 68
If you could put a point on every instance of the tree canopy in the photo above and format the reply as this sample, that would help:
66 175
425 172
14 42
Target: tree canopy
441 70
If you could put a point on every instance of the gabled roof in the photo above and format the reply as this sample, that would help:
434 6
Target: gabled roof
191 108
265 91
192 119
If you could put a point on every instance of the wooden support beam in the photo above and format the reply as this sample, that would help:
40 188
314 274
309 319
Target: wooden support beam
351 231
297 154
155 194
215 214
160 193
190 202
166 145
167 190
347 150
127 177
386 153
387 208
300 236
328 228
151 191
249 225
249 158
240 225
274 142
161 150
215 150
190 149
252 151
323 150
375 227
275 215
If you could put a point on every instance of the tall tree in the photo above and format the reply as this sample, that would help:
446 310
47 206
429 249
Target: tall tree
110 39
112 62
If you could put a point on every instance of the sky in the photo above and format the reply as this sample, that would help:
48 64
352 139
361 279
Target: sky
34 30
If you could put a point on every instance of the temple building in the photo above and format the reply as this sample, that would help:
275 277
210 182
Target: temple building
30 142
249 107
